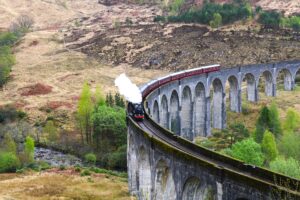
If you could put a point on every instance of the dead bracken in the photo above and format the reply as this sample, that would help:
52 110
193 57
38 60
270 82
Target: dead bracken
36 89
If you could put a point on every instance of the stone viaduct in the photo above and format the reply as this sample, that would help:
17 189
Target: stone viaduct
163 163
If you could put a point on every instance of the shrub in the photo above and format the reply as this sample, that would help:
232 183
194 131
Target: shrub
29 150
7 39
248 151
85 173
8 113
118 159
22 24
289 167
9 162
7 59
291 121
289 145
62 167
217 21
270 19
90 158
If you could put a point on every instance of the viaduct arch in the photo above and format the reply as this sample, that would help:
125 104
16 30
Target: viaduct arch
164 164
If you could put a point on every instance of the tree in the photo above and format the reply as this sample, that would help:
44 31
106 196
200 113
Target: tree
109 128
269 147
99 98
289 167
119 100
248 151
292 120
262 124
7 60
9 144
217 20
109 100
84 113
29 149
9 162
51 130
289 145
270 19
275 125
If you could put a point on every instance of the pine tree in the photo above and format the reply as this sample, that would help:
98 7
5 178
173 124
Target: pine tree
269 146
275 126
262 124
84 113
119 100
109 100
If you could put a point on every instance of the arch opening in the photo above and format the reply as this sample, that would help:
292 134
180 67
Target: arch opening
265 84
164 118
200 110
192 189
144 175
174 113
218 105
297 78
164 186
284 80
155 112
233 94
251 92
186 113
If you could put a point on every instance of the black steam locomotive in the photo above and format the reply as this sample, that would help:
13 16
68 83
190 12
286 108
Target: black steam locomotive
136 111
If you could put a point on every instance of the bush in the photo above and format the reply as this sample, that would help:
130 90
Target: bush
248 151
6 61
289 167
9 162
228 12
7 39
118 159
90 158
85 173
289 145
22 24
8 113
29 150
217 21
270 19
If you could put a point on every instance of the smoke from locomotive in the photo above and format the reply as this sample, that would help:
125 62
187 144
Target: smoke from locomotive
129 90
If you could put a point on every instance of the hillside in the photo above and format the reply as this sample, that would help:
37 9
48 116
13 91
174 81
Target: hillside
67 184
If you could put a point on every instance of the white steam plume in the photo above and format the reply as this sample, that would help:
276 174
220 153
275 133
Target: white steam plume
129 90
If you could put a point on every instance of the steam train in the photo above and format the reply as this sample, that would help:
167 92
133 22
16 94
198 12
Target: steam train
136 110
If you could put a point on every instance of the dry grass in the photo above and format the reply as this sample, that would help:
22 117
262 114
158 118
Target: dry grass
51 185
43 58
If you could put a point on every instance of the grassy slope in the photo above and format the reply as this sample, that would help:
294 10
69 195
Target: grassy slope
65 185
284 100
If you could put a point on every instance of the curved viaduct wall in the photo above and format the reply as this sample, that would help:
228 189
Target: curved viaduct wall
190 107
158 170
